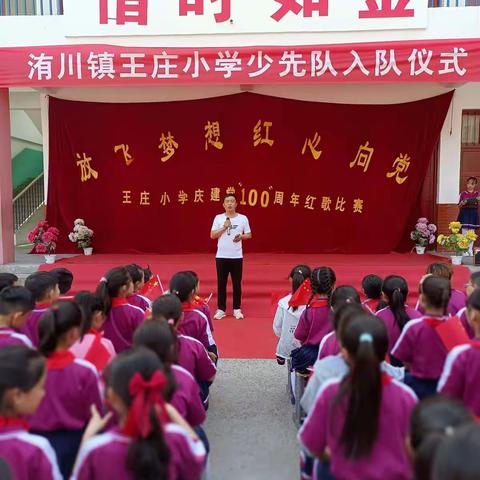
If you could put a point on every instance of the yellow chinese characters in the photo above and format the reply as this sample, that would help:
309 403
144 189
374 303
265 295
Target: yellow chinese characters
309 201
198 196
215 194
182 197
126 155
127 196
313 144
340 206
400 166
86 170
364 156
358 205
212 135
145 198
164 199
278 199
326 202
168 145
258 138
295 199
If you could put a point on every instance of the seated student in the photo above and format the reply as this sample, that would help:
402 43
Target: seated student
122 317
152 440
458 299
432 420
362 420
7 280
396 313
65 280
194 322
91 345
138 279
45 292
22 380
200 302
191 354
314 323
16 303
335 366
457 456
158 337
72 385
419 346
472 285
343 295
461 373
372 289
286 317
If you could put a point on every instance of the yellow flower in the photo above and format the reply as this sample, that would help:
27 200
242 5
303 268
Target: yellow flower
471 236
463 243
441 239
454 225
455 230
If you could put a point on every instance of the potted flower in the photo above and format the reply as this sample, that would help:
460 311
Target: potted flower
423 235
82 236
457 242
44 239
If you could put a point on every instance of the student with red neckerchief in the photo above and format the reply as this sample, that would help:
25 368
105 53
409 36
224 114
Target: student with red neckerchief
22 381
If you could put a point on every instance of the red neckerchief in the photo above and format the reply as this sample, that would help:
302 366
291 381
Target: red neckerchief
475 343
433 322
119 301
97 353
6 331
42 306
66 298
188 307
319 303
8 422
60 360
386 379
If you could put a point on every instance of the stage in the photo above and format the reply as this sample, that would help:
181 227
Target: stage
264 275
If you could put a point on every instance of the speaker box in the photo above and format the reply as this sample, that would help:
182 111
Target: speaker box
477 258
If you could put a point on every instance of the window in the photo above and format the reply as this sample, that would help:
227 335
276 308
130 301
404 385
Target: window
471 127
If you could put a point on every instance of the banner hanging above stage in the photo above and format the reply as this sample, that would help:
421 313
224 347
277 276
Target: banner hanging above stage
445 61
311 177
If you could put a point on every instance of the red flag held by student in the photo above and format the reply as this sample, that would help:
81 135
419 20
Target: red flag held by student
97 353
152 289
302 295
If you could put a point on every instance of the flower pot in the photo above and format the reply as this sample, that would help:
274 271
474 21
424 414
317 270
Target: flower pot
420 250
88 251
457 259
50 258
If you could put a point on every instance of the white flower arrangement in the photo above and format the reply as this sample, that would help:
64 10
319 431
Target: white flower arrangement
81 235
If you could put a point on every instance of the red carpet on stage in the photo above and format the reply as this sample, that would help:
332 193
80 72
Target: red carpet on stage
264 275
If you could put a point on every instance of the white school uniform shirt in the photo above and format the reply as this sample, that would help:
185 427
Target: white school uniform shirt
226 247
284 325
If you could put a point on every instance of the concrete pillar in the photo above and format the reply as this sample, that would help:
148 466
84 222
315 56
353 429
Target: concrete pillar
7 246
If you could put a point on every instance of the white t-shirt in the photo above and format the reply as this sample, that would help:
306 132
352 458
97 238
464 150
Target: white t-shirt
226 248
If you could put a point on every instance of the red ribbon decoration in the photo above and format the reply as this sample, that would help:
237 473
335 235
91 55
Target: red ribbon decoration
146 394
9 422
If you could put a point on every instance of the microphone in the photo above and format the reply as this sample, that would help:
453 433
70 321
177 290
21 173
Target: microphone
230 227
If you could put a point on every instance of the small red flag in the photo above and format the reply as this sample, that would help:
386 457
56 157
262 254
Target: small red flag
97 353
302 295
152 289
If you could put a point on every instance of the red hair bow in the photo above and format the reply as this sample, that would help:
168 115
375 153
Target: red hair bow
146 394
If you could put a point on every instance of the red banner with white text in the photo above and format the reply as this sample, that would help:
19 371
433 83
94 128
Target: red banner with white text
311 177
106 65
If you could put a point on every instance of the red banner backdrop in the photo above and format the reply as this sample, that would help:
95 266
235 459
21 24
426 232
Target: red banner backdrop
311 177
106 65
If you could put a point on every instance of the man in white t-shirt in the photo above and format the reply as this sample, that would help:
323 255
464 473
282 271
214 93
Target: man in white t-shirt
230 228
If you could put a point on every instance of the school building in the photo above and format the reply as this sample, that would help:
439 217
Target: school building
348 51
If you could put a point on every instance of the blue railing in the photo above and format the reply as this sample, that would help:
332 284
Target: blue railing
454 3
31 7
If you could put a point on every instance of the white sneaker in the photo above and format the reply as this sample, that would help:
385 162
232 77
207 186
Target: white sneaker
219 314
238 314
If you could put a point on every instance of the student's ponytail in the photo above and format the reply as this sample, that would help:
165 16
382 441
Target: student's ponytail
182 284
436 292
323 282
298 275
110 285
55 323
137 378
366 340
395 289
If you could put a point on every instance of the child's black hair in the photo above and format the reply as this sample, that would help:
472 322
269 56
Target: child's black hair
342 295
298 275
475 279
89 304
475 179
432 419
7 280
473 301
395 289
343 314
16 299
372 286
436 291
323 282
440 270
182 284
40 284
64 278
55 323
167 307
147 273
111 284
136 272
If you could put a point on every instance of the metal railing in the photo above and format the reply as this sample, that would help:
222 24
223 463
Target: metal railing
28 201
453 3
31 7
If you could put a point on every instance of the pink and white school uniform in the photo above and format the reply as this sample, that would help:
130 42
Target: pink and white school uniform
105 456
186 398
458 300
371 304
121 323
8 336
462 315
72 386
192 356
328 346
139 301
421 348
195 324
388 458
461 375
90 348
314 323
30 327
28 456
393 329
